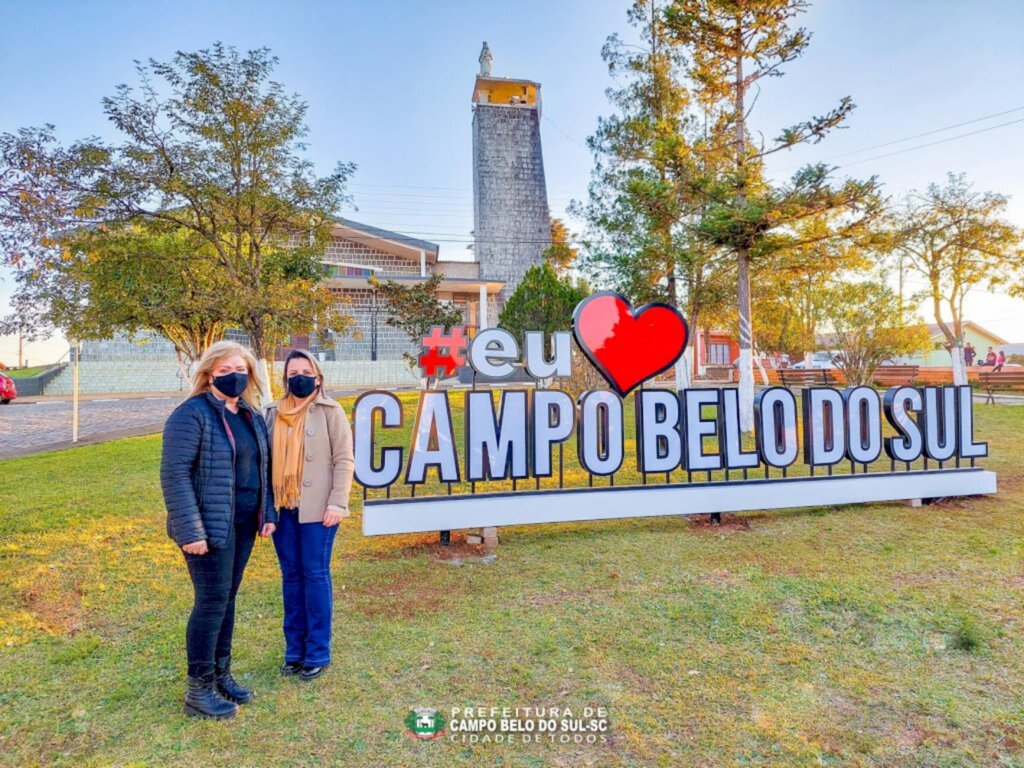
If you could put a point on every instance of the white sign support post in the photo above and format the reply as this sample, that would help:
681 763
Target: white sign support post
76 351
489 534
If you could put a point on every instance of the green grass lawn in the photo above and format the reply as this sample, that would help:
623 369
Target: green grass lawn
24 373
860 635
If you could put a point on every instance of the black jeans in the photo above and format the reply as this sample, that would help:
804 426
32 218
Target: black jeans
215 579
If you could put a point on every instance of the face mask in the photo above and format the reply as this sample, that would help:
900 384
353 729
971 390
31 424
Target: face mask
231 384
302 386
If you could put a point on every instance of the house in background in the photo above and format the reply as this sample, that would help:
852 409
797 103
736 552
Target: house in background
714 348
717 348
938 356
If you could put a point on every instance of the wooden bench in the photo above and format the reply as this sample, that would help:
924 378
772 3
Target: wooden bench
895 375
805 377
993 380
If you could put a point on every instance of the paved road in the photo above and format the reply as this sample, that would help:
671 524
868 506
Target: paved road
33 427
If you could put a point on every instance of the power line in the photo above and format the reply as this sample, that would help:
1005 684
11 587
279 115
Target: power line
554 125
415 186
933 143
919 135
925 133
412 198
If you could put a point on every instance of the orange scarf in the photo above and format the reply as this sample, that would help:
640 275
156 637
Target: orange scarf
289 430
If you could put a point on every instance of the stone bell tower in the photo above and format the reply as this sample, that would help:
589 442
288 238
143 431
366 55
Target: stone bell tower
511 220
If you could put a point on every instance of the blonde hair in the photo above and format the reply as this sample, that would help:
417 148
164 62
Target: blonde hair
312 361
203 376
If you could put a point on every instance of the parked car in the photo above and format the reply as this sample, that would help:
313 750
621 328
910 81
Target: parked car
7 389
818 360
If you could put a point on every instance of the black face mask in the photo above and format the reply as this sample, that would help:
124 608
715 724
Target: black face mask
302 386
231 384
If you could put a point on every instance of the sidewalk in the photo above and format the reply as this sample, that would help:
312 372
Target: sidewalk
104 396
63 445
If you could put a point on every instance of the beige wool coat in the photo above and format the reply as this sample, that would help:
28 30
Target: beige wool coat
329 458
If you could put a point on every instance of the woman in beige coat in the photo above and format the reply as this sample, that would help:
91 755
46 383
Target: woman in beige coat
312 466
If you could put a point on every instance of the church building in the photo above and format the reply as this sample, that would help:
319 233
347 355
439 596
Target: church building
511 227
512 230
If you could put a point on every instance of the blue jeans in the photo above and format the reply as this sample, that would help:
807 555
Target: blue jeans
304 552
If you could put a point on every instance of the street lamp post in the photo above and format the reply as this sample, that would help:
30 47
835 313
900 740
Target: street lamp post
374 312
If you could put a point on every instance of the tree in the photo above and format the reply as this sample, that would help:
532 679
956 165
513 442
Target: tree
869 327
22 323
215 151
644 199
956 239
132 278
732 46
416 309
794 287
37 200
561 255
543 301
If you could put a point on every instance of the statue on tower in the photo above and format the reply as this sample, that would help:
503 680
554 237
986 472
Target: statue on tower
485 60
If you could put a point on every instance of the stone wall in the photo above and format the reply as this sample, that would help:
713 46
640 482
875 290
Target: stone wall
357 303
365 374
512 223
392 342
145 345
118 377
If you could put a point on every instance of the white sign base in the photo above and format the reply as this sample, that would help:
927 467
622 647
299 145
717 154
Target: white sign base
442 513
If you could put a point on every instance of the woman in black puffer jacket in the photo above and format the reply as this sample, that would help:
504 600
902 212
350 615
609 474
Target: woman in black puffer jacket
215 473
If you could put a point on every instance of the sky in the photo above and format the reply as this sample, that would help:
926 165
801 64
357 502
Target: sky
389 85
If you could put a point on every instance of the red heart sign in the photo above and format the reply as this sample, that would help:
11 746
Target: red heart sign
628 346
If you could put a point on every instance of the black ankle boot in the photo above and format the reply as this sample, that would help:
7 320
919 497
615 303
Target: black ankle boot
227 686
202 700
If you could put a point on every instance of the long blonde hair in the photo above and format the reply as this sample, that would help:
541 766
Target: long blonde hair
203 376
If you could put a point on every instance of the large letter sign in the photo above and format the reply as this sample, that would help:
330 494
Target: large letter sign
854 444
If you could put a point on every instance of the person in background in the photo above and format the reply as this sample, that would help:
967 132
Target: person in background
969 354
1000 361
214 471
990 358
312 473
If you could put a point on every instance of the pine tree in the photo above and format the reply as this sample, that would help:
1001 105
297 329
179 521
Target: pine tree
731 45
644 201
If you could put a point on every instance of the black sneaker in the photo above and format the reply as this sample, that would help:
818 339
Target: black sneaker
311 673
290 668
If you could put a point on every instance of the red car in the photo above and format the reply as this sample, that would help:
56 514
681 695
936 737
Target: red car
7 389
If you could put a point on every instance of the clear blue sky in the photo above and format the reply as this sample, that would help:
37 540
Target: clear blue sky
389 87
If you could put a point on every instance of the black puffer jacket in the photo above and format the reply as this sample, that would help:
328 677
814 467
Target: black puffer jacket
197 471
